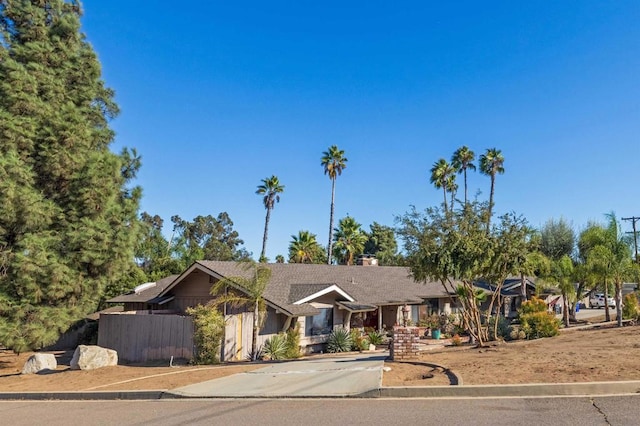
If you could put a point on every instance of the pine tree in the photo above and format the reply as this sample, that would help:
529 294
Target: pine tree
67 217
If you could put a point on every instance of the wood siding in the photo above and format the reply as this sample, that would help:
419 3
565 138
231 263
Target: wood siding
143 337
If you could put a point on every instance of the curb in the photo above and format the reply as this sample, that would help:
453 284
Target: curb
496 391
469 391
80 395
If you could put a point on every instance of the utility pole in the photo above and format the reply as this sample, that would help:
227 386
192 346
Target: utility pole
633 220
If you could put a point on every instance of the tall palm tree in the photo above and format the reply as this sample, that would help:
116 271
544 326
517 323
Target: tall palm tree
271 189
333 161
491 164
246 290
441 173
462 160
452 188
349 239
304 248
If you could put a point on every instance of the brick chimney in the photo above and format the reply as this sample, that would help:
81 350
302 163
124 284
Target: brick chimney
367 260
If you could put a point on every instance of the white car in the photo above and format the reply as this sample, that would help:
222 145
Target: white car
598 301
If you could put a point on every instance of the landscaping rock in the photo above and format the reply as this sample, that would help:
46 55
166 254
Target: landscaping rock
92 357
39 362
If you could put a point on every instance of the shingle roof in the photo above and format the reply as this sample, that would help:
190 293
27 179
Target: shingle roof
369 285
146 295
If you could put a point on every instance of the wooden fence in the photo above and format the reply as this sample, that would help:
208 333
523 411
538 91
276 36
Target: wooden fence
143 337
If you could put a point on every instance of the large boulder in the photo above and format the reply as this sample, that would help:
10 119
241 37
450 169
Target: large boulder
39 362
92 357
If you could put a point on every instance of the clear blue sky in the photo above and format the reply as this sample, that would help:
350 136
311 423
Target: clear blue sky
219 95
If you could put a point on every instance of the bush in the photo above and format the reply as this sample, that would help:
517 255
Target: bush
293 342
375 338
504 328
630 307
208 324
359 342
339 341
275 348
456 340
536 321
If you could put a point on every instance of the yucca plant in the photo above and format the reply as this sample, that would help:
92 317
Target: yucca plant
275 348
339 341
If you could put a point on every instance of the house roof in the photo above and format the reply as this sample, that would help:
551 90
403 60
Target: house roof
510 287
368 285
147 295
293 286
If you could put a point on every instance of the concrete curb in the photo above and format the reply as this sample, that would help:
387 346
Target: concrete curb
527 390
471 391
80 395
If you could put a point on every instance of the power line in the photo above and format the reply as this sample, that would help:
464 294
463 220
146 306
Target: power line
633 220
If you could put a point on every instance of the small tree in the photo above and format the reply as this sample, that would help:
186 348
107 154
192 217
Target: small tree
247 291
208 324
455 249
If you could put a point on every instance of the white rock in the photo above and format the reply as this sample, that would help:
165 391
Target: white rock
39 362
385 369
92 357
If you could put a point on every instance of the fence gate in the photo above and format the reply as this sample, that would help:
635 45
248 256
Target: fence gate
237 336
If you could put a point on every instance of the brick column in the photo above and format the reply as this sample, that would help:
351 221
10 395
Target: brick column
404 345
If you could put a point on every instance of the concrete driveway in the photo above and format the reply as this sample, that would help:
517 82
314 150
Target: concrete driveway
334 377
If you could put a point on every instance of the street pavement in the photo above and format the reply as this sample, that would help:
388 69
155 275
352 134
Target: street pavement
583 411
335 377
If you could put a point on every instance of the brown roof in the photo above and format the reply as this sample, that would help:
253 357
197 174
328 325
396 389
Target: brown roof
372 285
146 295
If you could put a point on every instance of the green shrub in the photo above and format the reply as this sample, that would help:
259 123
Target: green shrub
536 321
275 348
375 337
208 324
293 342
532 305
359 342
339 341
539 324
630 307
504 328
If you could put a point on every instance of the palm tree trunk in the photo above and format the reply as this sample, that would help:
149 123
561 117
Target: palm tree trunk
256 330
619 304
264 237
607 314
465 186
493 181
444 191
330 245
565 310
453 195
523 287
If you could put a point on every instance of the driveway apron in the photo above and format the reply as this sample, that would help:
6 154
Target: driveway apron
333 377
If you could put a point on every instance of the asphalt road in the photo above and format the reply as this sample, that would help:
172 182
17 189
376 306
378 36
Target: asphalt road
583 411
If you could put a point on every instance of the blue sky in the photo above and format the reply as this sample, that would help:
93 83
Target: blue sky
217 95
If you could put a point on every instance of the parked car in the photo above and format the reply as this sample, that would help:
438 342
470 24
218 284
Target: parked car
598 301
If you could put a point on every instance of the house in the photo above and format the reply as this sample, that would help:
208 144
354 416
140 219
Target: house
319 298
510 294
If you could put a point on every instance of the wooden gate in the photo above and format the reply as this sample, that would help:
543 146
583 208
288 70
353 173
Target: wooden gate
237 336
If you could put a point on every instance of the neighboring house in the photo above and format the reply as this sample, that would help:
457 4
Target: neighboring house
510 295
319 298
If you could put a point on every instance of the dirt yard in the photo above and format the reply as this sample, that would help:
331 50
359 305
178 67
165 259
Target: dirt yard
609 354
574 356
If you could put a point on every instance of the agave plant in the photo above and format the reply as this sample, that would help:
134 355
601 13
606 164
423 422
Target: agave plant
275 348
375 337
339 341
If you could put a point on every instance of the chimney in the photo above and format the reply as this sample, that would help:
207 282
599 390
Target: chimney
367 260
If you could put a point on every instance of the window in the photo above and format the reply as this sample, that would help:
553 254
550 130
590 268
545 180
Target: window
321 323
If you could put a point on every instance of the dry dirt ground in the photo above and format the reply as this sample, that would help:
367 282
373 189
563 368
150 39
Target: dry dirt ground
575 356
607 354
